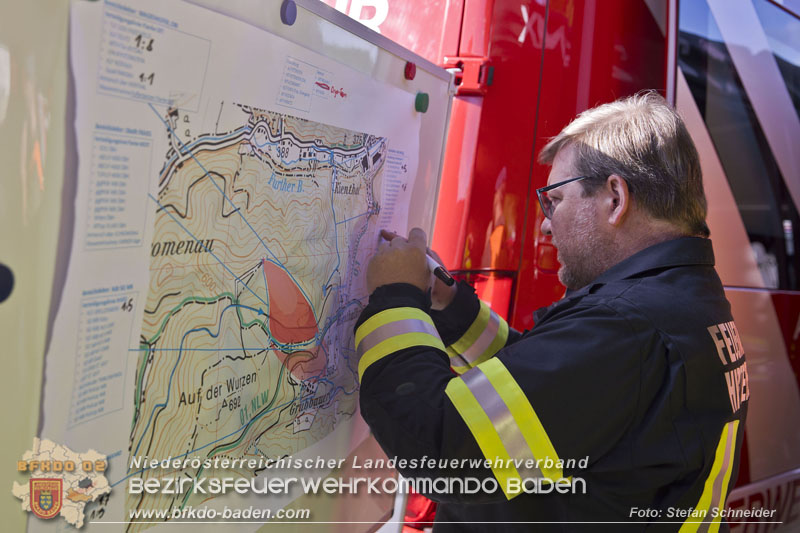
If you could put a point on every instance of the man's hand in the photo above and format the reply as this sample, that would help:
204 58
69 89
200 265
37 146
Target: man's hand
402 260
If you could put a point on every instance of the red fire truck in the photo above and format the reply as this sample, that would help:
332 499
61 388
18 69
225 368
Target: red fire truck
525 68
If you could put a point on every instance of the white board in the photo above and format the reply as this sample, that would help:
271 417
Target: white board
232 174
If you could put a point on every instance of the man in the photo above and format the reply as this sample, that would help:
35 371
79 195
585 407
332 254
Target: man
625 403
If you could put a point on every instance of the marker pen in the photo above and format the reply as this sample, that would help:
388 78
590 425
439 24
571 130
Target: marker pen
439 271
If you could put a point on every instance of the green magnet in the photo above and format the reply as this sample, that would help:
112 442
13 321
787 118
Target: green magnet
421 102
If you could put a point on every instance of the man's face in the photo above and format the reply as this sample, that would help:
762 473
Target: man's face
576 226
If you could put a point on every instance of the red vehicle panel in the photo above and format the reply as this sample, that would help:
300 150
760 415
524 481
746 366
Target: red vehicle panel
525 68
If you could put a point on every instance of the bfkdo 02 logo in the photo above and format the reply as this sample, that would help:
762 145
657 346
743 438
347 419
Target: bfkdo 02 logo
46 496
62 482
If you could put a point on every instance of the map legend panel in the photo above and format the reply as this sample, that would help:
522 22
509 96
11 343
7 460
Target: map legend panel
101 354
395 186
135 46
302 81
118 188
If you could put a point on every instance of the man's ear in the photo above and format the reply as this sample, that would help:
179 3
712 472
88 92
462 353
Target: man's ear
619 199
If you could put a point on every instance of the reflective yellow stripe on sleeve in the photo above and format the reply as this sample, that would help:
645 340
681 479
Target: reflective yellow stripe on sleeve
504 424
716 484
525 417
484 338
393 330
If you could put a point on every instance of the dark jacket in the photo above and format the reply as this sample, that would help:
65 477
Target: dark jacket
632 389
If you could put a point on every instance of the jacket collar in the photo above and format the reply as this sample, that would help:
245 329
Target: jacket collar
683 251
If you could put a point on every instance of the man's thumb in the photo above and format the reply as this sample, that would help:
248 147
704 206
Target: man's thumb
417 238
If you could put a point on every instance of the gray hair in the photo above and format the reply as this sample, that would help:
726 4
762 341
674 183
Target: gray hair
644 141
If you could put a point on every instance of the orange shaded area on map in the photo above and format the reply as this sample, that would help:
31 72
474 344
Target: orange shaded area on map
291 321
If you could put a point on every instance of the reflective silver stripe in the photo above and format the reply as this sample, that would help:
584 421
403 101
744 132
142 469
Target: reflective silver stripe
458 364
502 419
482 343
392 329
716 491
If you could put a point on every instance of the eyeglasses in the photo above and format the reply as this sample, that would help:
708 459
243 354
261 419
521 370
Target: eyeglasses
544 198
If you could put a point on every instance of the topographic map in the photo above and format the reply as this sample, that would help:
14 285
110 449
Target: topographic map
260 234
224 213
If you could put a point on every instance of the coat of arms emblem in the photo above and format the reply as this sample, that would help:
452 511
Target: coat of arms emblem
45 497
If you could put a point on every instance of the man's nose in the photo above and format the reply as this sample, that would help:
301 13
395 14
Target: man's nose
546 226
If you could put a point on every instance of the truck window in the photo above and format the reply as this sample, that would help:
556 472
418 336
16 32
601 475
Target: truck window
766 198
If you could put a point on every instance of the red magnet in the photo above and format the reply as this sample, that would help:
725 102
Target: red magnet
411 70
